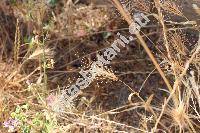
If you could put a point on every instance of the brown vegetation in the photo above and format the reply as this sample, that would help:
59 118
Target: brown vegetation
151 86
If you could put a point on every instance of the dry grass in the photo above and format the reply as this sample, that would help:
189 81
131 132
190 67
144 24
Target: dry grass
51 42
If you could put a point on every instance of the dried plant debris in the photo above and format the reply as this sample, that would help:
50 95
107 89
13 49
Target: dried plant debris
81 20
35 11
52 78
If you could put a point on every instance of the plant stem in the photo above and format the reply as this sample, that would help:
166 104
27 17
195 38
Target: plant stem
129 20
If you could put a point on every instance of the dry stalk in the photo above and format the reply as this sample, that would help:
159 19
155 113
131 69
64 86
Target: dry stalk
128 18
176 83
160 18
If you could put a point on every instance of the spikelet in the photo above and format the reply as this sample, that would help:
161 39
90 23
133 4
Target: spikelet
177 41
178 51
17 43
179 114
142 5
178 67
171 7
